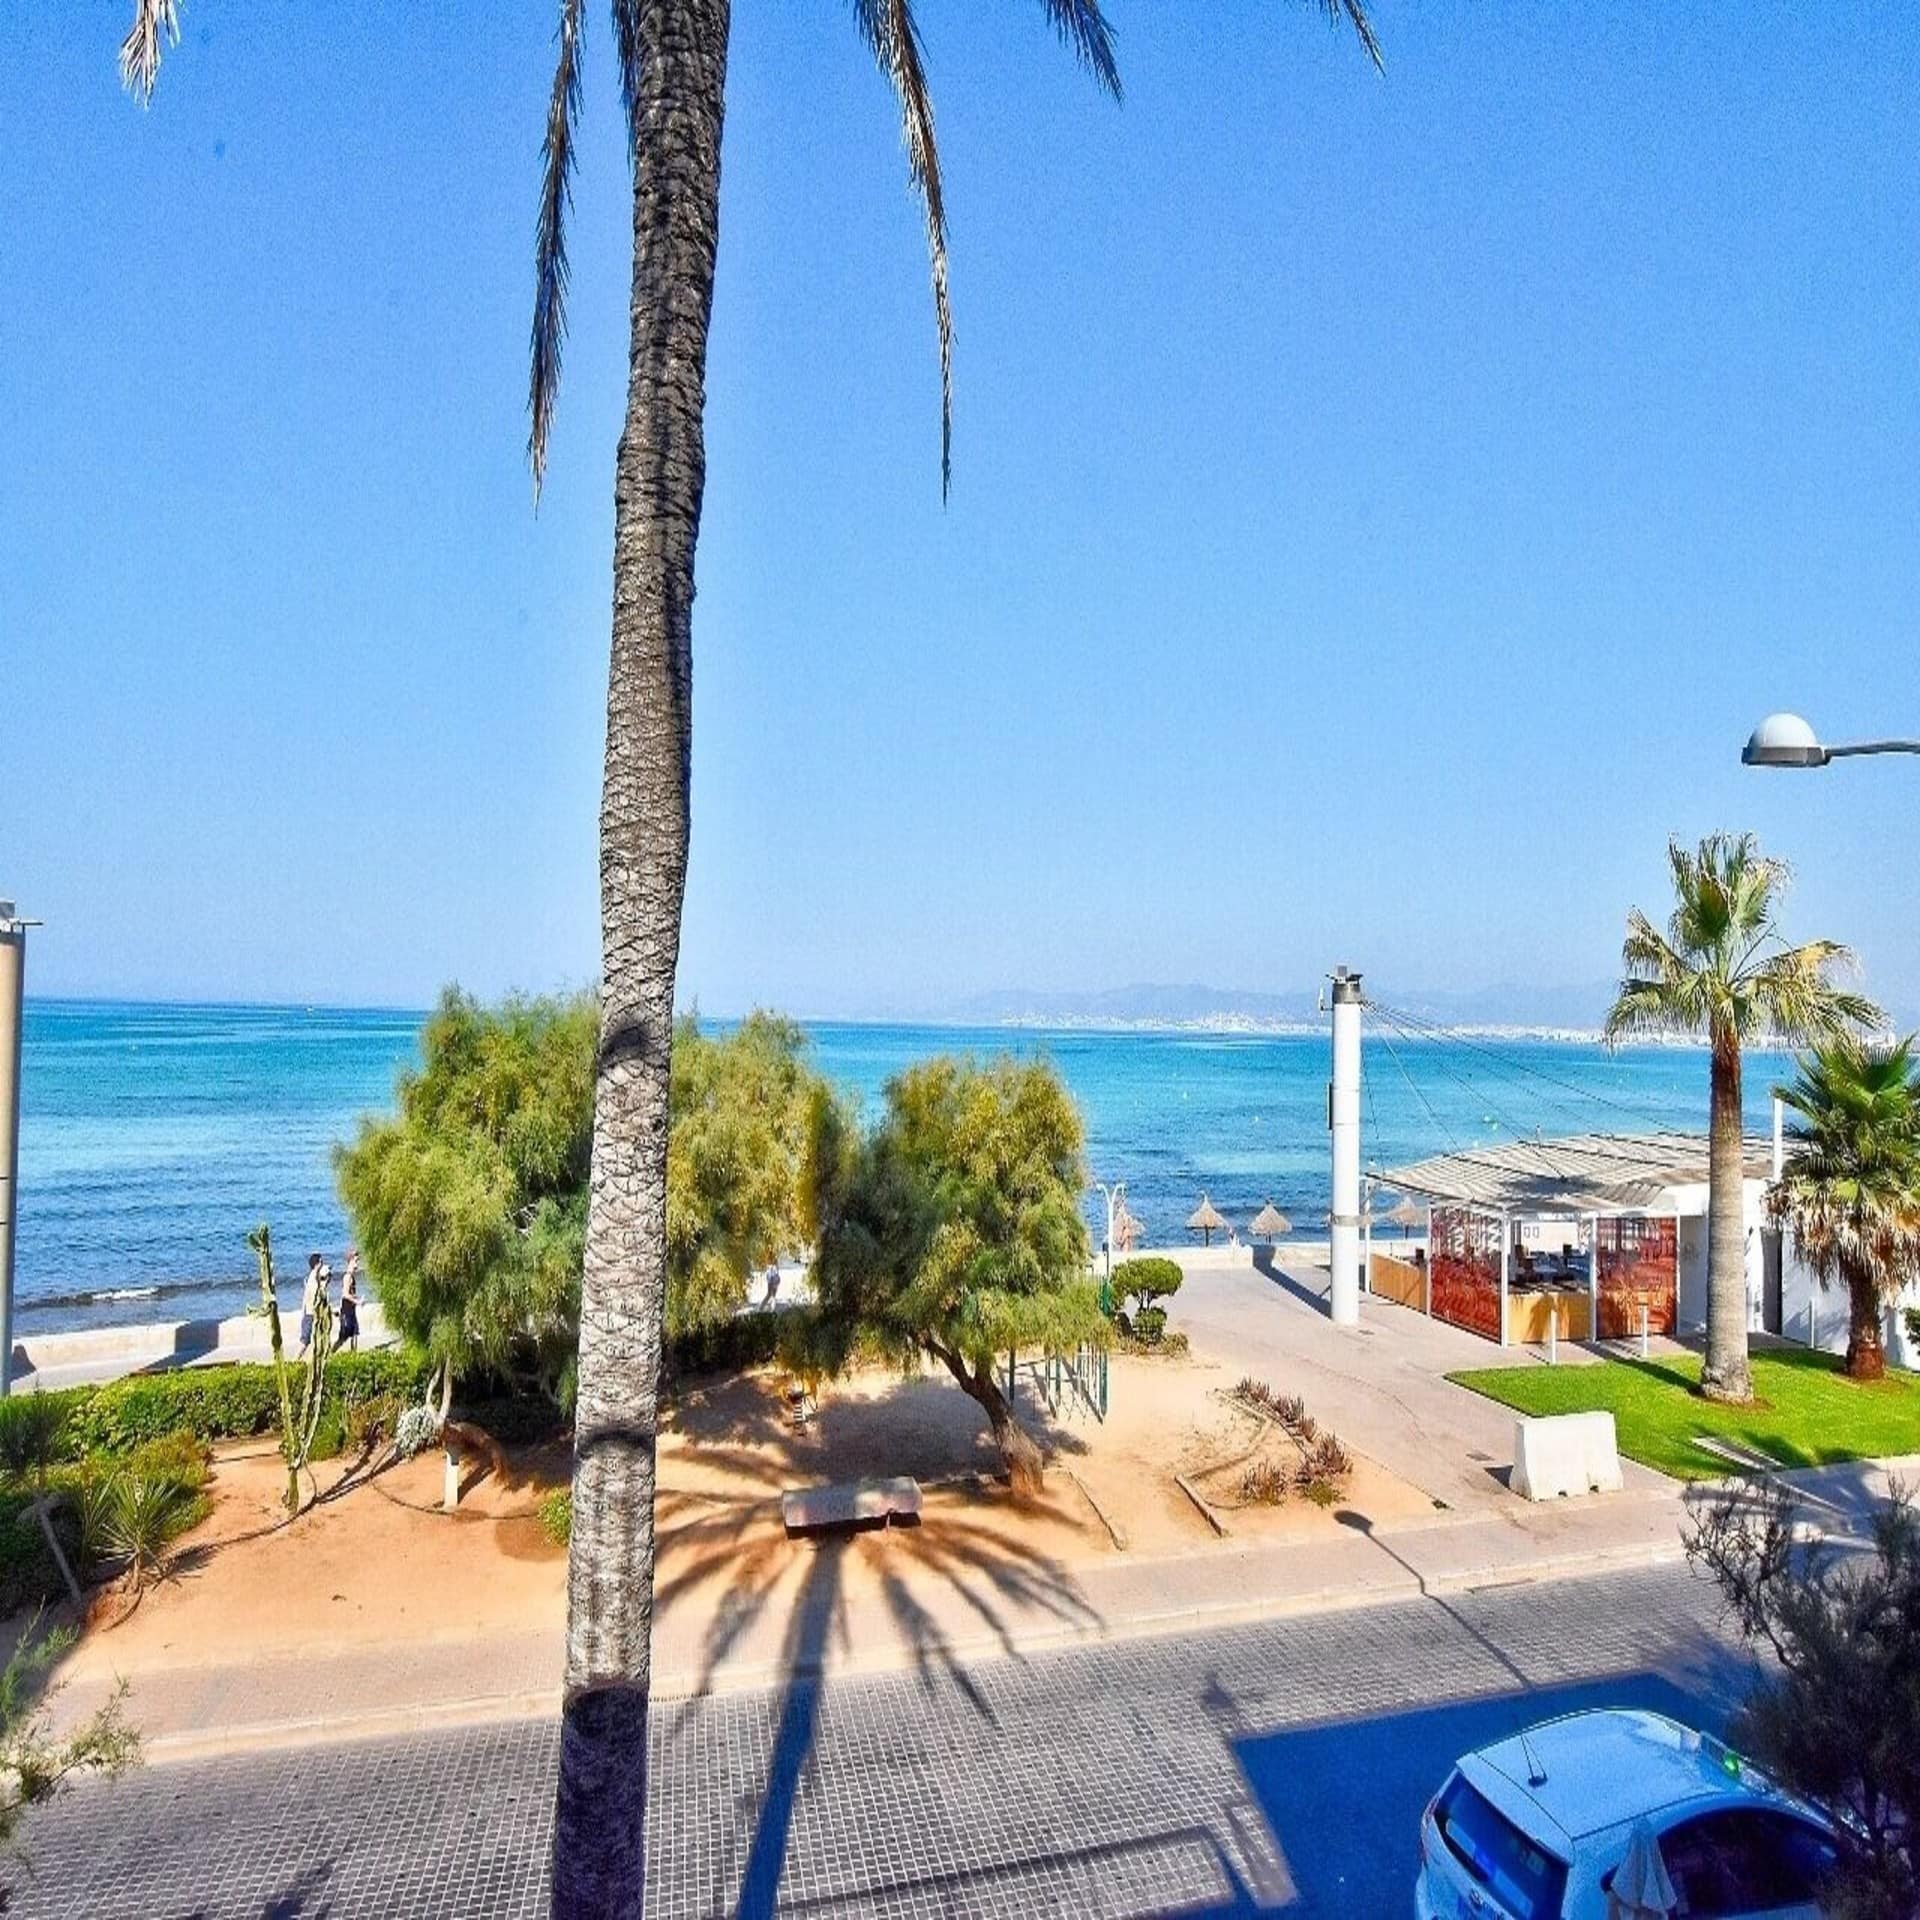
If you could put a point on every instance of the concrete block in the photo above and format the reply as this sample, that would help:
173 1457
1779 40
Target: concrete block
852 1503
1565 1453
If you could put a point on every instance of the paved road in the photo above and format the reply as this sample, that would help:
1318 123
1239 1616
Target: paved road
1276 1768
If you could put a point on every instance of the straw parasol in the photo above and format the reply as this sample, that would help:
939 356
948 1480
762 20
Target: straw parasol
1205 1220
1270 1223
1404 1215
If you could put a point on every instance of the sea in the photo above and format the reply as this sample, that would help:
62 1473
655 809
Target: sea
154 1137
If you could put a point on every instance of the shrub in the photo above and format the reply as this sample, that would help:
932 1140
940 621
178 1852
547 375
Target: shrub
231 1402
1148 1280
556 1516
32 1426
28 1577
749 1339
1149 1324
145 1513
1265 1485
368 1422
1324 1471
415 1431
175 1456
1256 1393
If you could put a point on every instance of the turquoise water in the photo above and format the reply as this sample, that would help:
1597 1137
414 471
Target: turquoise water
154 1137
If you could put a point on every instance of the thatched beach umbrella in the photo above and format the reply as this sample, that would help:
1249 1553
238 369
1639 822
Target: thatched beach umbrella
1205 1220
1404 1215
1270 1223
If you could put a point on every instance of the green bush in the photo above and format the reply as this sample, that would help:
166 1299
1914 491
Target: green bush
556 1516
1148 1280
28 1577
231 1402
1149 1324
745 1340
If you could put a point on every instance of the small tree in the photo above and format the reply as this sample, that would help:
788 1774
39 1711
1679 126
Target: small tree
736 1154
1146 1282
953 1233
1837 1718
471 1203
1850 1189
34 1764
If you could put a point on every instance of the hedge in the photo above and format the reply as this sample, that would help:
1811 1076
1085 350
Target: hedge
229 1402
741 1341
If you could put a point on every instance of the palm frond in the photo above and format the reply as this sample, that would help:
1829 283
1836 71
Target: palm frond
629 45
1084 28
154 22
890 31
550 239
1355 12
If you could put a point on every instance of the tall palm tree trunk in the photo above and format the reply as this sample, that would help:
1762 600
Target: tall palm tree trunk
677 68
1866 1350
1725 1376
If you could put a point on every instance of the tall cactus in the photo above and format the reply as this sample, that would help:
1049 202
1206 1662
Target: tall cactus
296 1434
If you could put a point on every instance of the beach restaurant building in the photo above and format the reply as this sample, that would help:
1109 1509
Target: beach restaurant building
1601 1236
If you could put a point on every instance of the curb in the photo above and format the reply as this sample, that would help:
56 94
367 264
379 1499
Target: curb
678 1687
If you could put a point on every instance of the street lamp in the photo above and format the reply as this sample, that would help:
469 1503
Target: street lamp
1785 740
1116 1198
13 971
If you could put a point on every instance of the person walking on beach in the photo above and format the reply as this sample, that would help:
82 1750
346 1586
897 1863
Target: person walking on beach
318 1274
350 1302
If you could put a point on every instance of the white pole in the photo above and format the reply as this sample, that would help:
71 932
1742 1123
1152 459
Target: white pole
1779 1136
1643 1330
1343 1119
13 978
1506 1254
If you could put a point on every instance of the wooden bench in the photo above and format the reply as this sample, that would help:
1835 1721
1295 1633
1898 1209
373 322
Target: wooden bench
852 1503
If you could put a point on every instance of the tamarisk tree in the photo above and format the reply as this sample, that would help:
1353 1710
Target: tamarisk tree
952 1232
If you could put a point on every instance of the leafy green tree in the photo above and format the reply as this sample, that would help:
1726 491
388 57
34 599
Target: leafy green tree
1146 1282
952 1232
735 1163
672 57
1721 971
1850 1189
1835 1714
471 1204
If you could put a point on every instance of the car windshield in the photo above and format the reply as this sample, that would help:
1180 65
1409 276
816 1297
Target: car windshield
1527 1880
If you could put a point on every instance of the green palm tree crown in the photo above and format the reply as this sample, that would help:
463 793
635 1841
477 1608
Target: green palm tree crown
1720 970
1850 1188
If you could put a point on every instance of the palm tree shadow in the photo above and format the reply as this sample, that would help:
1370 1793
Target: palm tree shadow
993 1579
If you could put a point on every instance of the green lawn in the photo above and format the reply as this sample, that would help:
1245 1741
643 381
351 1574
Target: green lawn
1806 1410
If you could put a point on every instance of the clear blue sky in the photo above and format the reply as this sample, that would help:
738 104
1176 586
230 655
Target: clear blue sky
1380 506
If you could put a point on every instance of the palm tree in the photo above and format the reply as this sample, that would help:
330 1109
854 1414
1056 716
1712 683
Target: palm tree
1722 971
1850 1189
672 57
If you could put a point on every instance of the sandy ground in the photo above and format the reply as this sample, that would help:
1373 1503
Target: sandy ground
382 1565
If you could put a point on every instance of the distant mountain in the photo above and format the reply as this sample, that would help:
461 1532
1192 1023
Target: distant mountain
1136 1006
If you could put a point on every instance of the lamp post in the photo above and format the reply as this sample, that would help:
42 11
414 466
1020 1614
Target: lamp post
13 976
1116 1197
1785 740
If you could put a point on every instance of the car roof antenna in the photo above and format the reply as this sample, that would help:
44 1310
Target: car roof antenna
1536 1772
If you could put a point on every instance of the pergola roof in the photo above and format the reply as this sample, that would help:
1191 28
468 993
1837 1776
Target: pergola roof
1582 1173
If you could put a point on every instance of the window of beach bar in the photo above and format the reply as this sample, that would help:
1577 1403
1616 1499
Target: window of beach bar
1464 1265
1639 1266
